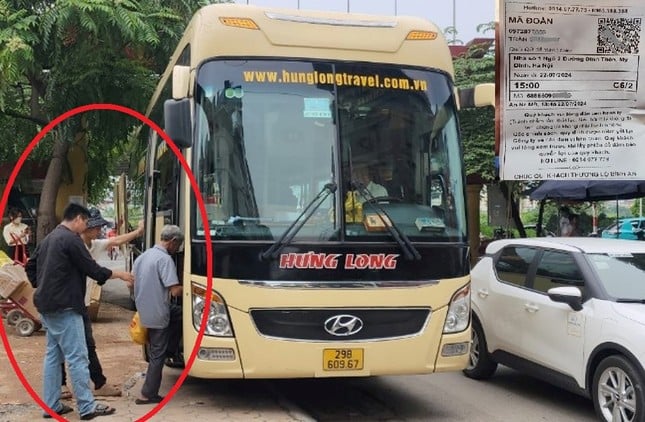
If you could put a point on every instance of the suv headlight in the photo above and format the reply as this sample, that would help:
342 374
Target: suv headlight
459 312
218 323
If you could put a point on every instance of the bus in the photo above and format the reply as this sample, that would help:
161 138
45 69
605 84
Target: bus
326 148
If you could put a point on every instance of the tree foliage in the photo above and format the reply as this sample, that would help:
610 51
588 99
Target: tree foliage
477 125
57 55
450 33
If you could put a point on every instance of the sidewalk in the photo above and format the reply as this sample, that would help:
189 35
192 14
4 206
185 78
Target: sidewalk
123 364
120 359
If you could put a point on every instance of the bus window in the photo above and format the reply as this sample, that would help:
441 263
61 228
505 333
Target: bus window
401 143
166 183
263 151
262 143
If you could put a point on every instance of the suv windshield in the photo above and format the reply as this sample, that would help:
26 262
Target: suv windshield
622 276
271 134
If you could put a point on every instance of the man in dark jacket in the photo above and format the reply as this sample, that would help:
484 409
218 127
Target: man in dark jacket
58 269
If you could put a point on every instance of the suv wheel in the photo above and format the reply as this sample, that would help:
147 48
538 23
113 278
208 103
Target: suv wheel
481 365
617 391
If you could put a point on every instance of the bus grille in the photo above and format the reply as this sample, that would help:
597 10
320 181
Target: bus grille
340 325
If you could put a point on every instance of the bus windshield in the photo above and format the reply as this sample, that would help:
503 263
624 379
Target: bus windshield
271 134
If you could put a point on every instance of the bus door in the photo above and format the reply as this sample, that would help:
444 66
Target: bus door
163 193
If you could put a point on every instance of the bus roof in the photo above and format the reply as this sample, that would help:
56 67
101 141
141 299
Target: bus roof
314 34
221 30
307 34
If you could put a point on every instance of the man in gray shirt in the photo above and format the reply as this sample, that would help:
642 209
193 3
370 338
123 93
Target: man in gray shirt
157 280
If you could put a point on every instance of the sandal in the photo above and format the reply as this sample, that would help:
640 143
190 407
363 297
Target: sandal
108 390
153 400
62 411
175 362
65 393
99 410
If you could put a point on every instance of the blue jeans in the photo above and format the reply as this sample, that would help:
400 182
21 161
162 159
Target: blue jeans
66 342
96 371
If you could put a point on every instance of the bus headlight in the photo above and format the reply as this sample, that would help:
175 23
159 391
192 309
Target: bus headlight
459 312
218 323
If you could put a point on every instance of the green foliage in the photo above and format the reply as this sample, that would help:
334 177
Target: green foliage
450 33
486 27
485 230
478 134
477 125
16 54
470 72
636 208
57 55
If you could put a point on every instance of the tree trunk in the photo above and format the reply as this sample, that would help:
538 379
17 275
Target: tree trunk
538 227
473 192
507 192
47 207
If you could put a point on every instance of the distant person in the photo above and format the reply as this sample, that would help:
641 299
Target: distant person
112 250
16 235
565 222
157 280
573 229
58 269
97 248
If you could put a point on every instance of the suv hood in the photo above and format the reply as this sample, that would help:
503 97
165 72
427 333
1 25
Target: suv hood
632 311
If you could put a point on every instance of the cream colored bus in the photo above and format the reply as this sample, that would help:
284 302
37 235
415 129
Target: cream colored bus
326 148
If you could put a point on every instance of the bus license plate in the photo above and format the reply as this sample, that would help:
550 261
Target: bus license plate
342 359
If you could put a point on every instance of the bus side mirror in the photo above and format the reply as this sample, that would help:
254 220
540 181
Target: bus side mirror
177 122
481 95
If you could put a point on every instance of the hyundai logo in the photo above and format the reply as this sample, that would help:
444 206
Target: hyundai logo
343 325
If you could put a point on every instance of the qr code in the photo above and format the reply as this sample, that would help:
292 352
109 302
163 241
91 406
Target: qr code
618 35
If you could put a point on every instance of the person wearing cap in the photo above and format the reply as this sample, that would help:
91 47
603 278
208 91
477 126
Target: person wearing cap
57 270
97 248
157 280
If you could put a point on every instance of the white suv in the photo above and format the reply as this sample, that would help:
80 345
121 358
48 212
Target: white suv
570 311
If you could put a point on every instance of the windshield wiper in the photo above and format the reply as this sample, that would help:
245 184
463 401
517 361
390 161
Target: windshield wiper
300 221
625 300
409 251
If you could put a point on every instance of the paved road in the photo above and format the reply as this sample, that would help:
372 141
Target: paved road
509 396
113 291
449 397
439 397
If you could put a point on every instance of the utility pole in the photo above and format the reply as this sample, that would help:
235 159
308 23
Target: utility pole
395 8
454 21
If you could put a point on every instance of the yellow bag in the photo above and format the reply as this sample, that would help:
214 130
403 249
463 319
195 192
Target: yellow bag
138 332
353 207
4 259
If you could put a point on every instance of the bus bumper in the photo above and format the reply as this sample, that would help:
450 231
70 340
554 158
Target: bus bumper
263 357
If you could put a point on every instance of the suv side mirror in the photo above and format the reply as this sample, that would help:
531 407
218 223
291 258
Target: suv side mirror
569 295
